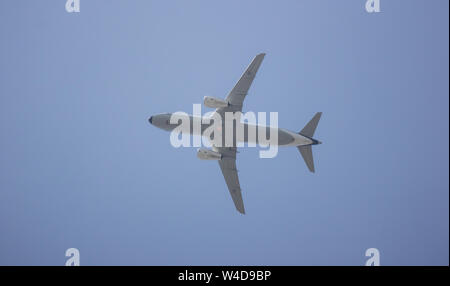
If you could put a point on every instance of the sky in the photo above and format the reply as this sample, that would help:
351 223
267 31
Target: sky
81 167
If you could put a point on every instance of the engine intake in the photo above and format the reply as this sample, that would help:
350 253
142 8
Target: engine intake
214 102
206 154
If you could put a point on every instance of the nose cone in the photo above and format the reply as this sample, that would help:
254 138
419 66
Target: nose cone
161 121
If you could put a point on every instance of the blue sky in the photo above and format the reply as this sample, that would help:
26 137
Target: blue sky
81 167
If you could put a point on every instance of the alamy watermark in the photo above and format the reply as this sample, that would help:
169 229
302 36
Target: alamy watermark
234 130
73 6
373 6
374 255
74 257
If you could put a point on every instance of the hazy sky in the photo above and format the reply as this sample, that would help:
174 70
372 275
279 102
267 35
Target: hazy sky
80 166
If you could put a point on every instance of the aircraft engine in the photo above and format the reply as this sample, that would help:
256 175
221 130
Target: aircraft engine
213 102
206 154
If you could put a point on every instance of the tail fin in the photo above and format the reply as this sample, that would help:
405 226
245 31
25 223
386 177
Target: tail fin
306 150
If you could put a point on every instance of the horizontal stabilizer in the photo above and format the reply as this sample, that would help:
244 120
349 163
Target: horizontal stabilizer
310 128
307 155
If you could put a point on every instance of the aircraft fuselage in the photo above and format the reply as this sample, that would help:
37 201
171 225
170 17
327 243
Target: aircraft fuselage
249 133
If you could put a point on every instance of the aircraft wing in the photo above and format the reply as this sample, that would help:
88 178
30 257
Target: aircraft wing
228 166
237 95
236 99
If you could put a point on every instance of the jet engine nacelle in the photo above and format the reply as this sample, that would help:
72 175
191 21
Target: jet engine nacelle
213 102
206 154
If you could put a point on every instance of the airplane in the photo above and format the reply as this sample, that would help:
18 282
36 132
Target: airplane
226 156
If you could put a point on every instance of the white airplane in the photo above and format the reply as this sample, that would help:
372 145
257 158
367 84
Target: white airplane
226 156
